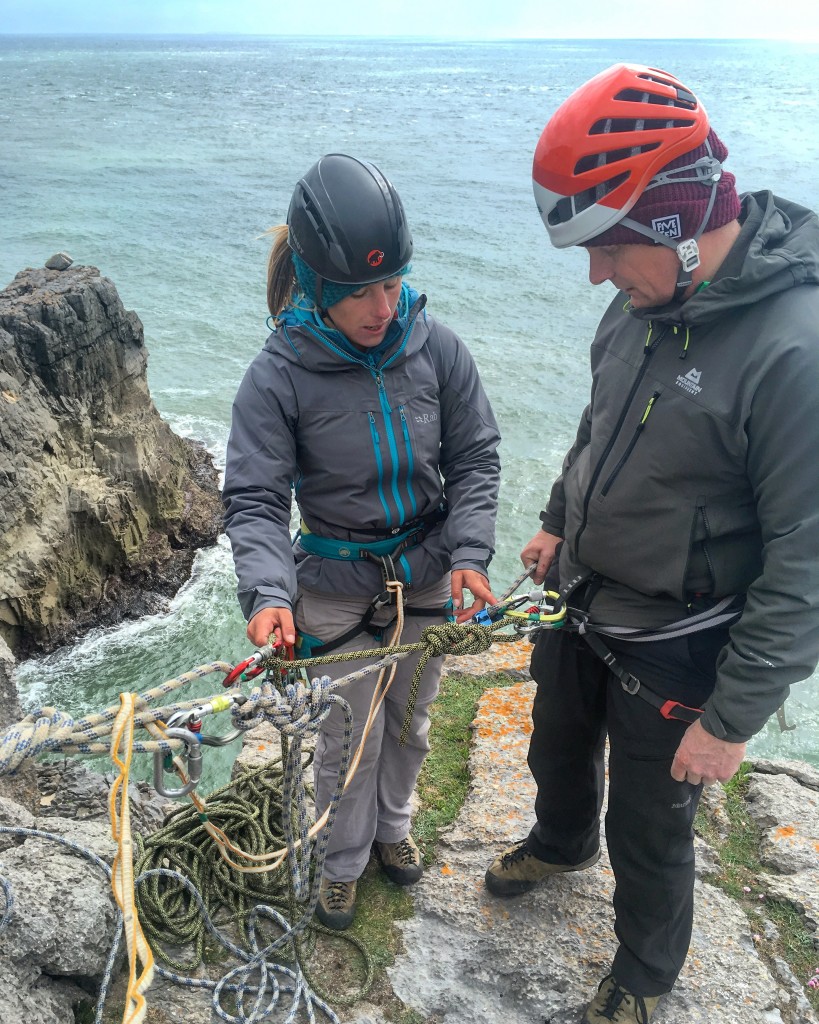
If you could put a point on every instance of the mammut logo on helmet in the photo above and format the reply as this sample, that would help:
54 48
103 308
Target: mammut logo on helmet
375 257
668 226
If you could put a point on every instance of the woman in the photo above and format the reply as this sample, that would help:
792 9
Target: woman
372 414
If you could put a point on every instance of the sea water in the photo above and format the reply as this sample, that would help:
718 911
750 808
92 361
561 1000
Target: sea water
163 160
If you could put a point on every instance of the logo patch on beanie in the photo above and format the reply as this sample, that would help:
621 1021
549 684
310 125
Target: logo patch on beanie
669 226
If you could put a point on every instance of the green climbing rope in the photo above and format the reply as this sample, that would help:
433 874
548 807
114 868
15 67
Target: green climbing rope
250 812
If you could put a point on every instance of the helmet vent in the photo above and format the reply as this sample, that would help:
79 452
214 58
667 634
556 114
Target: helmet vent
314 216
617 125
682 99
569 206
613 156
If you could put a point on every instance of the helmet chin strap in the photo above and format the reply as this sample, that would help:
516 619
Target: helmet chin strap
708 171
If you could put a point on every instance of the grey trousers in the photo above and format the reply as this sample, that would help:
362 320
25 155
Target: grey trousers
377 804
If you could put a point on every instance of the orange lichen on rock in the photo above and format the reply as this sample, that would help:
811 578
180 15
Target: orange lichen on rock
504 712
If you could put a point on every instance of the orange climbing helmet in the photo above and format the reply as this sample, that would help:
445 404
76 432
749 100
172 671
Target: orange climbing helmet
608 142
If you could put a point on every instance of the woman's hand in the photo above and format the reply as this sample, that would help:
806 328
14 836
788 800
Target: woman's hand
277 621
478 585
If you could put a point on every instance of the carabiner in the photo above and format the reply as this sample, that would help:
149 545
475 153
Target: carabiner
193 751
252 666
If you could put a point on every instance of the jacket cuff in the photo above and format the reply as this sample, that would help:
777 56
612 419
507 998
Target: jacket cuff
551 524
714 725
470 558
254 601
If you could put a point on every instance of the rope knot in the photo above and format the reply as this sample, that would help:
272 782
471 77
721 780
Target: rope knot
457 639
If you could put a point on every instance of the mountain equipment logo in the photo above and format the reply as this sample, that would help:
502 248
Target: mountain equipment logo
375 257
669 226
691 381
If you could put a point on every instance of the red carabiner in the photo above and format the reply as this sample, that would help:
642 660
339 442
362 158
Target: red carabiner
234 673
252 666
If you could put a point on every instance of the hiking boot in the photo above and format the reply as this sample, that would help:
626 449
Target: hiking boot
401 861
336 904
614 1003
517 870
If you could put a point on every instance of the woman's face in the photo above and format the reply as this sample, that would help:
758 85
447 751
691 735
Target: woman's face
364 316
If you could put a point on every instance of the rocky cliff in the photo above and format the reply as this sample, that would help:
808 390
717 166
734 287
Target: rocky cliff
101 505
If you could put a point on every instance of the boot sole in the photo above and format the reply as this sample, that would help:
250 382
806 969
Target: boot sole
334 921
517 887
402 876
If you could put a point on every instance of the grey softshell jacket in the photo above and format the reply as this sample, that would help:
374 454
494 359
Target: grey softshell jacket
366 443
694 470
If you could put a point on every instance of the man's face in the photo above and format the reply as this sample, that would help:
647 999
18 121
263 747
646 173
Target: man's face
646 273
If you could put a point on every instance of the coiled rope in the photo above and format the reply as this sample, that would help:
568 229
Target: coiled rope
296 711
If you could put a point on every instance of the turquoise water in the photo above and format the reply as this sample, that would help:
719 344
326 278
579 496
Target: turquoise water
163 160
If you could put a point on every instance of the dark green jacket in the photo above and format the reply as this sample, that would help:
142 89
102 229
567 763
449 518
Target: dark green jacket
694 469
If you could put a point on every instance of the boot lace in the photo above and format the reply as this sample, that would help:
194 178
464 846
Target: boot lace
404 853
337 895
514 856
615 1009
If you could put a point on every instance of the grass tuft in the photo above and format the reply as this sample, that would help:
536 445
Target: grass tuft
742 878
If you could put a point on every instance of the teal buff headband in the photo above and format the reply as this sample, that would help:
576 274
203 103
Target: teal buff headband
331 292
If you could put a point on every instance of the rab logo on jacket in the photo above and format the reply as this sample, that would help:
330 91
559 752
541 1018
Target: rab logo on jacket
691 381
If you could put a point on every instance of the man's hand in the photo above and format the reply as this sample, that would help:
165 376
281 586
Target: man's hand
272 620
702 758
478 585
540 551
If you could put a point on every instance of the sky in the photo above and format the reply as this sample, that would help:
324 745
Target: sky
459 19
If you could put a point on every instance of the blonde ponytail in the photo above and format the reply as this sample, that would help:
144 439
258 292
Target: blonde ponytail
281 275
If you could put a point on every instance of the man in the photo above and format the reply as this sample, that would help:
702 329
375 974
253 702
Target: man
683 531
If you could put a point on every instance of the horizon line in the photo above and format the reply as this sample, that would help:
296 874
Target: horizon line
426 38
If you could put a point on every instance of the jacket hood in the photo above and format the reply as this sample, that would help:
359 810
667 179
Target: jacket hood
304 338
776 250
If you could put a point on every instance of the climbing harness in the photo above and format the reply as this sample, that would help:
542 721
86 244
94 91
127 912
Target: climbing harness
575 619
384 553
393 541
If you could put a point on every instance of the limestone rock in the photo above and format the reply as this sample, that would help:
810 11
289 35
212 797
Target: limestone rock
471 958
64 917
785 805
70 789
26 994
101 505
22 786
59 261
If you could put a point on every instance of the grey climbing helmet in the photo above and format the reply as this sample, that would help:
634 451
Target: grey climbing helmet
347 223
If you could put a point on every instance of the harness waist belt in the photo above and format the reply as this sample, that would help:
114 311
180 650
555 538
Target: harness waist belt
398 541
351 551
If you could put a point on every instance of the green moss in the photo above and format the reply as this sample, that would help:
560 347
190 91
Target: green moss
741 876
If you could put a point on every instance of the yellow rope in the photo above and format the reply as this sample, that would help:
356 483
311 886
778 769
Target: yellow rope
122 876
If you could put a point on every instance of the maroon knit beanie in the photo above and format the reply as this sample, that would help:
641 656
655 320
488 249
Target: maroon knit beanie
677 209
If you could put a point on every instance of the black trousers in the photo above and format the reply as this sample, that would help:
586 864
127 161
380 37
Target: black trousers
649 822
